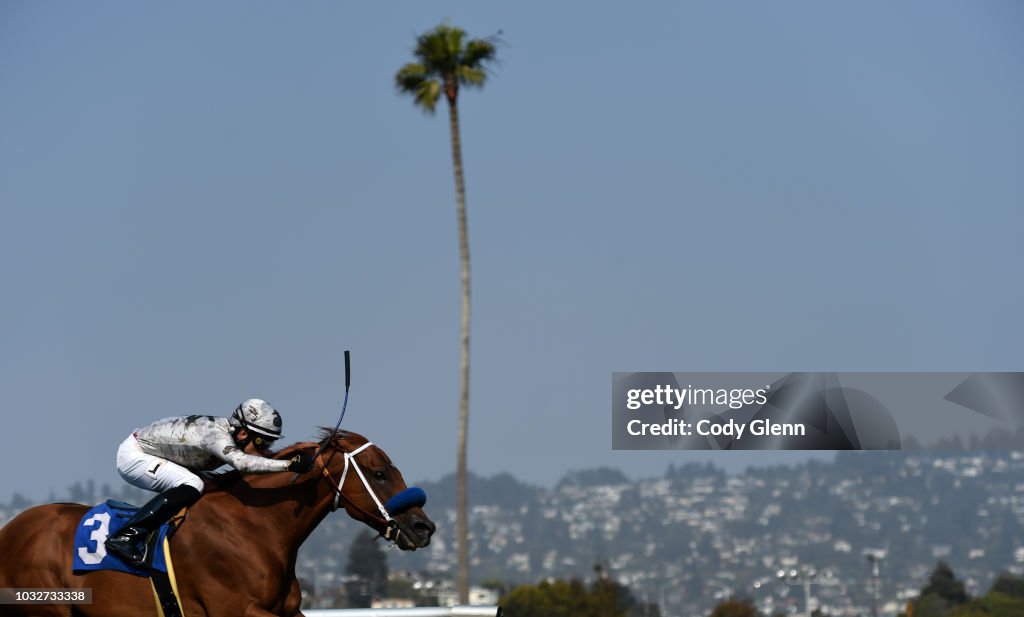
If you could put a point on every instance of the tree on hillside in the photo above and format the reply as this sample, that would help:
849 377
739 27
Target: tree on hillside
1009 585
602 598
994 604
1004 599
446 61
547 599
943 583
941 593
735 608
368 564
929 605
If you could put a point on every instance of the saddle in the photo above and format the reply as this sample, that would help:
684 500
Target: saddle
104 520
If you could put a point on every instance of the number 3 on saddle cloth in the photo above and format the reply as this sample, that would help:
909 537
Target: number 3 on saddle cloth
108 518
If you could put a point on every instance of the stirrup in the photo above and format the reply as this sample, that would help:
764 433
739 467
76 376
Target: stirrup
124 546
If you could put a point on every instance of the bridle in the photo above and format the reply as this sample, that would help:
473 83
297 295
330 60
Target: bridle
384 520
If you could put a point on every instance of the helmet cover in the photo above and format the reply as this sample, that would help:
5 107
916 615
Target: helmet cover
257 416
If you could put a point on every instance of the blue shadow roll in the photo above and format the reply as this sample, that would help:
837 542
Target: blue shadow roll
412 497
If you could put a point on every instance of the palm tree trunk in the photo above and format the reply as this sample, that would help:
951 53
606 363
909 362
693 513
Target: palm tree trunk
461 515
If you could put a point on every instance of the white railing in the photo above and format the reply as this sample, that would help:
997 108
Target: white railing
419 611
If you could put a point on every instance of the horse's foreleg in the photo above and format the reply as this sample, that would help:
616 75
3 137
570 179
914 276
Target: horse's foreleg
291 605
293 601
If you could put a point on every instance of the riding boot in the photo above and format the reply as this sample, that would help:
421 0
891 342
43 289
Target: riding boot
130 542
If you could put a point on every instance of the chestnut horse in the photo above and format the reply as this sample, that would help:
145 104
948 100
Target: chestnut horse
235 553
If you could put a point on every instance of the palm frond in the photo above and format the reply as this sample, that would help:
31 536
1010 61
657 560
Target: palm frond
478 52
410 76
438 50
427 94
472 77
452 43
444 56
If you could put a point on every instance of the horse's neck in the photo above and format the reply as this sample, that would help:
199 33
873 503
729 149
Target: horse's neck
269 509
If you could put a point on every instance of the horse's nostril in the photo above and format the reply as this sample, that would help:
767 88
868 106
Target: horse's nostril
424 528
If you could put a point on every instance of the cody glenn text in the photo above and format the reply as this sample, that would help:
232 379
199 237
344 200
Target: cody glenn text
705 428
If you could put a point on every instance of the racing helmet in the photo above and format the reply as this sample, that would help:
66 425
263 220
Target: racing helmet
257 416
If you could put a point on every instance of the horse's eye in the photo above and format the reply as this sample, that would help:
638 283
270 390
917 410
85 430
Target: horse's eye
378 476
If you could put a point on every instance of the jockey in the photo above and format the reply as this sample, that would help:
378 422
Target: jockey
164 456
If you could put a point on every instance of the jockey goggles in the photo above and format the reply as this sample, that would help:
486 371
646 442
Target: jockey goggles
262 443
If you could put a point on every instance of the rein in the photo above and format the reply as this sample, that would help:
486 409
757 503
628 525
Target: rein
384 520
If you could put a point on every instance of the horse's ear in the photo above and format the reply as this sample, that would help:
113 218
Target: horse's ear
328 435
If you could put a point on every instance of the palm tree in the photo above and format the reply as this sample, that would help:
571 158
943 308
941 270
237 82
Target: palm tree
445 60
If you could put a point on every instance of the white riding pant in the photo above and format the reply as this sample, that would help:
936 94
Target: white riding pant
152 472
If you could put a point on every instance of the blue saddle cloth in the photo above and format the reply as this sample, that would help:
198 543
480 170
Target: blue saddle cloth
96 526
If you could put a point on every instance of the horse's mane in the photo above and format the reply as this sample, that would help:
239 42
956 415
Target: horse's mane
324 435
224 480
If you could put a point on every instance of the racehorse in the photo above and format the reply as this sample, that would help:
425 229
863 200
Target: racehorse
235 553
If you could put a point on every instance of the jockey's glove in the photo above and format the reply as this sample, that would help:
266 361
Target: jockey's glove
300 463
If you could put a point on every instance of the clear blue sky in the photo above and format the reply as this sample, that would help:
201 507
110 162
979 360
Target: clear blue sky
205 202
